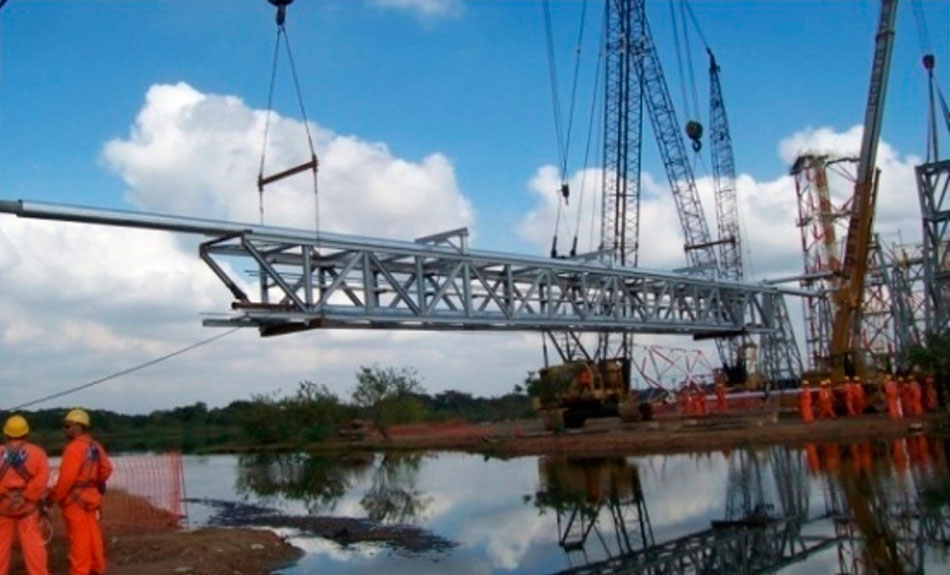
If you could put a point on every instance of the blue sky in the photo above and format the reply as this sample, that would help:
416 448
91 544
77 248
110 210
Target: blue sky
430 114
471 83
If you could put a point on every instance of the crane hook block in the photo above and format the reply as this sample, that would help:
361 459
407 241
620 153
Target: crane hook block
929 61
694 131
565 191
281 9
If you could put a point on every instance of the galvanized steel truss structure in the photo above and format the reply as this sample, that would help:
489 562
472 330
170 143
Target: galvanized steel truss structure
303 280
933 185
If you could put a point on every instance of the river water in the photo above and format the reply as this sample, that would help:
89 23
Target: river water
856 508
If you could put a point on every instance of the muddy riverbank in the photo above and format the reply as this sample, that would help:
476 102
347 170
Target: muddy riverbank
666 435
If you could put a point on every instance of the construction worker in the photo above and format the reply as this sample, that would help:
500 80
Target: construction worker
930 394
804 403
860 398
907 397
24 473
847 389
82 476
699 401
893 402
826 401
916 397
720 390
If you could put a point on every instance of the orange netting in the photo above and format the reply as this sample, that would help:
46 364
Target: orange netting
144 491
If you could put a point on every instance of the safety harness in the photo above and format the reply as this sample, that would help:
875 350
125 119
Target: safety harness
88 475
13 460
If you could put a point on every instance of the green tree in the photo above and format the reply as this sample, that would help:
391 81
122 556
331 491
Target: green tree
387 396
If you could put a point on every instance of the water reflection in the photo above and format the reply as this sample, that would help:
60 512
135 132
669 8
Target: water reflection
890 503
886 504
862 508
316 481
321 481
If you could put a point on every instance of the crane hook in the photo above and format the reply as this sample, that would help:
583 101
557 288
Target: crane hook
694 130
281 9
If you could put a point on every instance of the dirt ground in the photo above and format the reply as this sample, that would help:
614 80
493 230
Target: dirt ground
667 434
150 544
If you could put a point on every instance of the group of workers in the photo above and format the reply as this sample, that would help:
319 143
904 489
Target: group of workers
24 495
692 400
905 398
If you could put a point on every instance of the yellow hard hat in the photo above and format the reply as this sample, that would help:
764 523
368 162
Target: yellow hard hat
77 416
16 426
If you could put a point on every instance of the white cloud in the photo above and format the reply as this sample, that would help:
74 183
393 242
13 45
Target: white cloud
426 9
199 154
81 301
768 209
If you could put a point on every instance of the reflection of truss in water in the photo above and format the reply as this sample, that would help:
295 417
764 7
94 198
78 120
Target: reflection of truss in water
904 525
727 547
886 528
751 540
580 490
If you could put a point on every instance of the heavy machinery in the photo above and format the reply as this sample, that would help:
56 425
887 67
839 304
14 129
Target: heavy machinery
634 81
572 392
844 353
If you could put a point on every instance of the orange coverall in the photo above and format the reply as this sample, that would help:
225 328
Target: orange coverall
860 398
848 389
83 471
826 403
24 472
930 395
804 405
915 398
893 405
720 397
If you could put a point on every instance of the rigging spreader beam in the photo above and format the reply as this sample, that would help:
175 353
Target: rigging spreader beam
301 280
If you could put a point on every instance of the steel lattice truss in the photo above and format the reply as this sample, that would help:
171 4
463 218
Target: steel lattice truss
306 280
933 185
893 307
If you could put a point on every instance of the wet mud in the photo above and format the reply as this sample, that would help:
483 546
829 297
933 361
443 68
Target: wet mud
345 531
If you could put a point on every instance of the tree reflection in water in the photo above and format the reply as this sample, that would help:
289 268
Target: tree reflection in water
393 496
319 481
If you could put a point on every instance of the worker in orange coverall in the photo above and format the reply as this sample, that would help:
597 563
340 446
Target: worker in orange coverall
720 390
930 394
847 389
907 397
82 475
826 408
860 397
916 397
804 403
24 473
893 403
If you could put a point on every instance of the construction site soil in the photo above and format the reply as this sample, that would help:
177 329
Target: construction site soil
668 433
148 542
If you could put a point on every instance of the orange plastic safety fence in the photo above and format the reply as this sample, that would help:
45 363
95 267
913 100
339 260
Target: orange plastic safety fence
144 491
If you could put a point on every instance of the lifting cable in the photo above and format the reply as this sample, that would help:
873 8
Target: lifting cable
563 137
694 129
312 164
594 120
124 371
923 38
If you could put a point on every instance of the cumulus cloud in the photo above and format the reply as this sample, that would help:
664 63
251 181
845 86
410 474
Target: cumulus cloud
426 9
199 154
101 299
